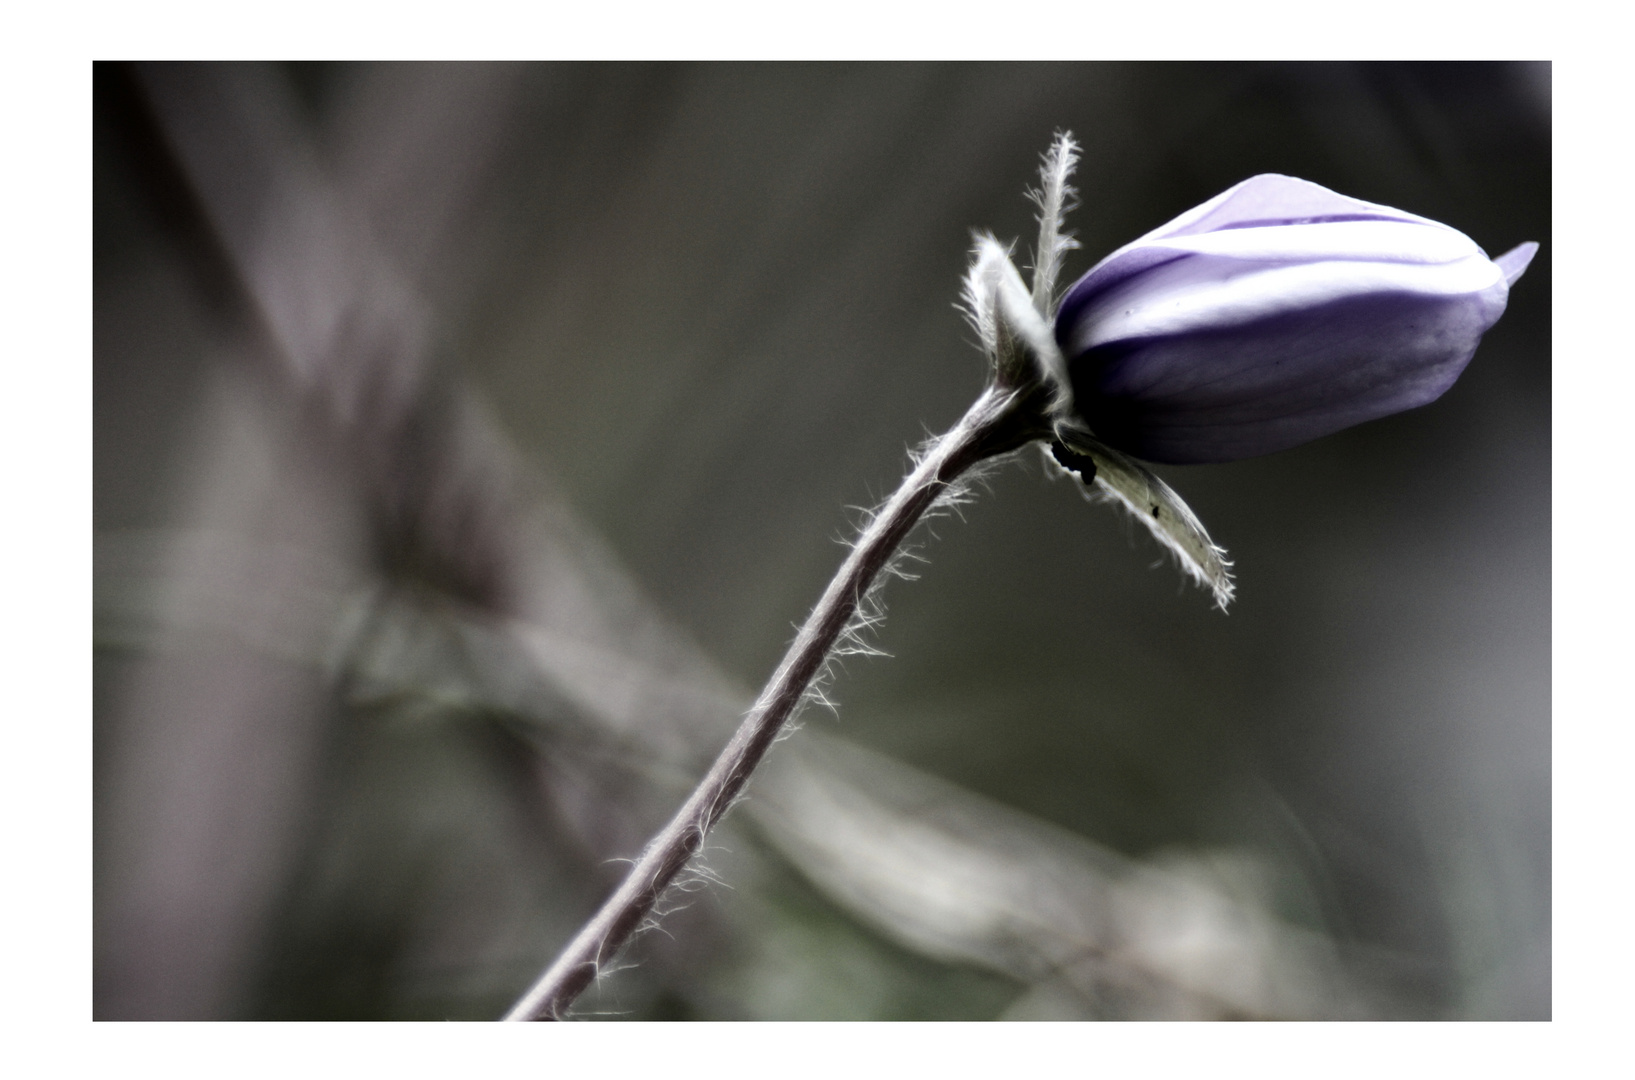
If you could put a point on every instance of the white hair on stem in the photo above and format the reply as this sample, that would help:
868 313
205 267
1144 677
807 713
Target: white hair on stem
857 635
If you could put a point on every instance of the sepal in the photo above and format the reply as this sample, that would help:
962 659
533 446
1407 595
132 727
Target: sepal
1121 479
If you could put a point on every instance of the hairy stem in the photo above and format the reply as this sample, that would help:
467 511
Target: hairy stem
998 422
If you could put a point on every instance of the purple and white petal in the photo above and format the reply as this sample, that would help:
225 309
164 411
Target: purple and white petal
1273 314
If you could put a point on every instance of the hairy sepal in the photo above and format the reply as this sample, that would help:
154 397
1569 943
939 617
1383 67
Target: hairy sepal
1155 504
1054 198
1019 343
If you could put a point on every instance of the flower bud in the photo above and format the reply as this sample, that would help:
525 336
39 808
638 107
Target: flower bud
1275 313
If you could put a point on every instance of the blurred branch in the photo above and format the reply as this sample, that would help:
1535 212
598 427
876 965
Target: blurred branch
216 750
957 877
936 868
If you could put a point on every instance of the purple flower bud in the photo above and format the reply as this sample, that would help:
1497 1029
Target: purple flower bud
1273 314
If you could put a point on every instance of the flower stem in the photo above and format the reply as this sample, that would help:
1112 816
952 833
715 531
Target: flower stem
998 422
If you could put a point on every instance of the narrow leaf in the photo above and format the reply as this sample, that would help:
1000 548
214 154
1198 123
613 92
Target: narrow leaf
1124 480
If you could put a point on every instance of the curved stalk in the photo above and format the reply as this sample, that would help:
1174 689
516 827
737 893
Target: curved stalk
998 422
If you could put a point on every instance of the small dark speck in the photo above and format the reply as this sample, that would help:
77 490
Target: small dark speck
1082 464
1155 510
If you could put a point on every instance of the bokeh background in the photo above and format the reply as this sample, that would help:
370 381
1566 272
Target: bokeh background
468 440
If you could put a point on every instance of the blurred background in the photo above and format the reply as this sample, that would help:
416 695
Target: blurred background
469 440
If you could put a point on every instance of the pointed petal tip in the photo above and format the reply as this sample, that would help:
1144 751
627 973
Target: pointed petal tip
1514 262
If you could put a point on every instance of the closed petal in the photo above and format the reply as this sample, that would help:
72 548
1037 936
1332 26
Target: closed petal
1362 241
1210 292
1275 313
1515 261
1238 391
1269 200
1274 199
